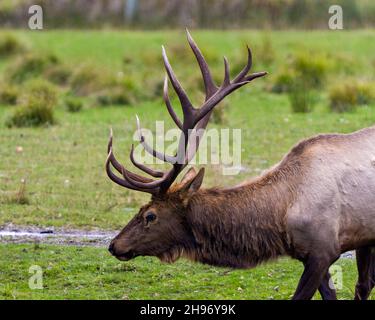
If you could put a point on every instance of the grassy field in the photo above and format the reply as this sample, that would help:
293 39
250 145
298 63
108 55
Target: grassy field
90 273
66 186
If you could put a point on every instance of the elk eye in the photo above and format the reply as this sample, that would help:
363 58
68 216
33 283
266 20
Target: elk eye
150 217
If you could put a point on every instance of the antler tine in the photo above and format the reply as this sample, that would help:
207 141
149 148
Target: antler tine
111 175
150 150
111 156
120 168
247 68
186 105
228 86
138 184
151 172
255 75
176 120
210 87
120 181
226 81
209 84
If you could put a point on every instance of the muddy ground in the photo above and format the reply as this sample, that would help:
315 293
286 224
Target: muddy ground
32 234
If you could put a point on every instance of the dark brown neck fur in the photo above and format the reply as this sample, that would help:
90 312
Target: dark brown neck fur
243 226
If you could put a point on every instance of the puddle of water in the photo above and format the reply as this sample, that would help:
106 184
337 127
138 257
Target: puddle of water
13 234
20 234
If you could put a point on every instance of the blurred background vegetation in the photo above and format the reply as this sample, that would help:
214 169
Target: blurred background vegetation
76 82
212 14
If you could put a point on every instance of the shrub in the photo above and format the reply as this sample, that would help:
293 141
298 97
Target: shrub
134 87
30 66
73 104
265 52
302 98
366 92
10 45
344 63
36 105
283 81
345 97
310 68
88 79
42 90
58 74
34 113
115 96
8 94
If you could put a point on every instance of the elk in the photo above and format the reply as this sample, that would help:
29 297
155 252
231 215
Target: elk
315 204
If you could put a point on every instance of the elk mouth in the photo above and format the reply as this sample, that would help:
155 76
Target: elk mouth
126 256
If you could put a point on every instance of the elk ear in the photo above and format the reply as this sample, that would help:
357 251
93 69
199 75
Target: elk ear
190 174
194 183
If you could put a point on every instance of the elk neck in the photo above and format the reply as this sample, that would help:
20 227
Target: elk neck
242 226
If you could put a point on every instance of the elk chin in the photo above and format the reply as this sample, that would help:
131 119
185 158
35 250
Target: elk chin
170 256
126 256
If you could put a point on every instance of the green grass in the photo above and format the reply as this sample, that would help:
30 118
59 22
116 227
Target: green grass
66 185
90 273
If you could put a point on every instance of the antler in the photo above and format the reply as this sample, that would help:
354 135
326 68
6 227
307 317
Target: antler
194 121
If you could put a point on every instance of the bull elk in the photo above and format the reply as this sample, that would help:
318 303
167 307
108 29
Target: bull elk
315 204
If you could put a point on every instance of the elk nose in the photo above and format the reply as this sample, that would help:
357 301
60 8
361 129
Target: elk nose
111 248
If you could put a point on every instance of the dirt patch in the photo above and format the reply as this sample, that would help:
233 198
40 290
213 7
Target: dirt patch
31 234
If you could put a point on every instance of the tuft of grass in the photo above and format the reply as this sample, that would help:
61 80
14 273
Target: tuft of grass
265 53
310 68
32 114
36 105
87 79
58 74
347 96
10 45
30 65
19 197
115 96
283 81
73 104
302 98
41 90
8 94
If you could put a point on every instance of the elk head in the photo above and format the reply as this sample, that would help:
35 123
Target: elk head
161 228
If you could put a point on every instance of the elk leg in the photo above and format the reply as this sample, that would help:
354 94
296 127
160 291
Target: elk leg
366 273
316 270
327 291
